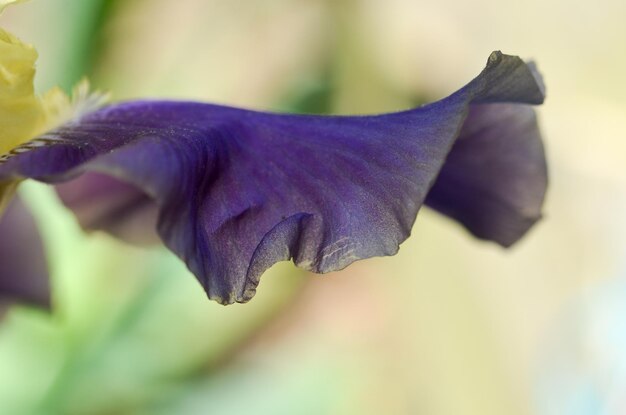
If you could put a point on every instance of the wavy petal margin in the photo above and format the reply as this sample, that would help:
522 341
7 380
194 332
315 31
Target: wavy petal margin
233 191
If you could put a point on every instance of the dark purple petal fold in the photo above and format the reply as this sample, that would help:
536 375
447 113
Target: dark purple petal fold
495 177
23 268
234 191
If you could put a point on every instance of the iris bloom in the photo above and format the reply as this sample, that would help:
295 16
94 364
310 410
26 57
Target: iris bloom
232 191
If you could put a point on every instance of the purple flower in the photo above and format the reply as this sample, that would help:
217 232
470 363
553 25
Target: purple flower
233 191
23 275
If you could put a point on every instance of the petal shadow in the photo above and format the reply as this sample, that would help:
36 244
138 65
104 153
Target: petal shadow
24 271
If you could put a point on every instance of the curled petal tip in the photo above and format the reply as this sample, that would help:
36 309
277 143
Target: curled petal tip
507 78
495 178
494 58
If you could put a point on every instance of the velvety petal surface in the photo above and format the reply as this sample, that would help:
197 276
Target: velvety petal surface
238 190
23 268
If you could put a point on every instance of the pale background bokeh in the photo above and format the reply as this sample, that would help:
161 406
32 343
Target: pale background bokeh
449 326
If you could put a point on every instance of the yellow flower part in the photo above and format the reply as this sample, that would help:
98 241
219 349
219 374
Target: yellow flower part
23 115
5 3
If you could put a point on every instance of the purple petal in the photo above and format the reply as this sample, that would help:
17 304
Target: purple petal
495 177
24 273
103 202
239 190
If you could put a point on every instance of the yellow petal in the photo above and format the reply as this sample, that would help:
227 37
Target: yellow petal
5 3
59 108
21 113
